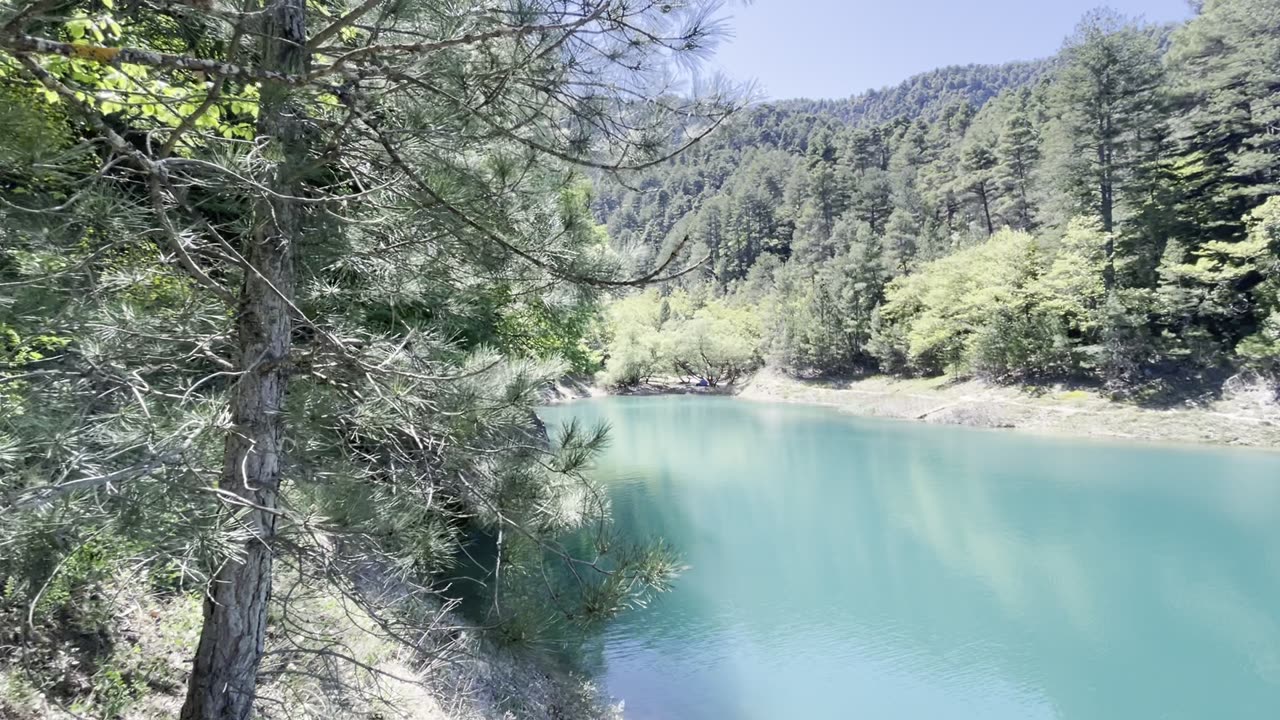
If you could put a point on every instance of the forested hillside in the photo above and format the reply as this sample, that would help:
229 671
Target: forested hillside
1106 215
927 95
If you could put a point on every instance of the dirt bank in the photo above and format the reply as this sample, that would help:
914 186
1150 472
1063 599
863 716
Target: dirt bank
326 659
1246 415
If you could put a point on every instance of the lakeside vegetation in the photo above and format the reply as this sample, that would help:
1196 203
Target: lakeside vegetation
1106 216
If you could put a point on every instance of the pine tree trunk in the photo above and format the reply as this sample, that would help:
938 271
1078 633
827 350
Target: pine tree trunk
224 674
986 209
1106 187
1107 192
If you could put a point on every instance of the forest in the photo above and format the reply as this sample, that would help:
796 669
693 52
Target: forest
284 282
1107 215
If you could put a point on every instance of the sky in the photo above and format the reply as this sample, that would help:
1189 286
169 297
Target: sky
837 48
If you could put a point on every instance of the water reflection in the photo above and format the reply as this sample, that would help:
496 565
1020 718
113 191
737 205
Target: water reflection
843 567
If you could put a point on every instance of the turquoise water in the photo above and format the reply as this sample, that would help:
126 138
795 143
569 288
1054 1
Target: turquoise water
850 568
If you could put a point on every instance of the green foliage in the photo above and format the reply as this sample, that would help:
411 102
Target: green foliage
1022 343
1261 254
859 228
1225 77
1019 155
1127 347
1261 350
954 312
1105 102
1223 292
16 351
288 305
138 94
1100 215
634 351
652 335
718 343
1074 287
823 322
927 95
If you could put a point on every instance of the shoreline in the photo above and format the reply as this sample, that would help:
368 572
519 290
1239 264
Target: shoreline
1247 417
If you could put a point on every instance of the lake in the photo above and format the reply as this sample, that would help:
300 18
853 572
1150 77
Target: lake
844 567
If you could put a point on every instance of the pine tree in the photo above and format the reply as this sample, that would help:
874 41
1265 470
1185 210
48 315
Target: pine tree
272 234
904 236
978 164
1018 153
1225 82
1104 100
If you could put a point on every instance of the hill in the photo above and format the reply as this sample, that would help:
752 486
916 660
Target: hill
927 95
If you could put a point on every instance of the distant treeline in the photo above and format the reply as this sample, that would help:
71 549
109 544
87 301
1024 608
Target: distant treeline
1100 215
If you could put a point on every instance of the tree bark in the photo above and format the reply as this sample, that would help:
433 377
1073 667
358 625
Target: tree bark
1106 191
986 208
224 674
1024 197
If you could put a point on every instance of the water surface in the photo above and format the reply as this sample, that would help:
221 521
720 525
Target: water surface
850 568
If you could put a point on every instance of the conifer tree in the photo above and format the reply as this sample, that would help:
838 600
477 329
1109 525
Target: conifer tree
1104 97
270 219
1018 153
978 163
1225 85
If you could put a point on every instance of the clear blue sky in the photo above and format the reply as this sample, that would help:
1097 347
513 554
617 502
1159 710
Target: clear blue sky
836 48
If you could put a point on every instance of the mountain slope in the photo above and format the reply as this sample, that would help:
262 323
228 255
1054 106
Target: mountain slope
926 95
